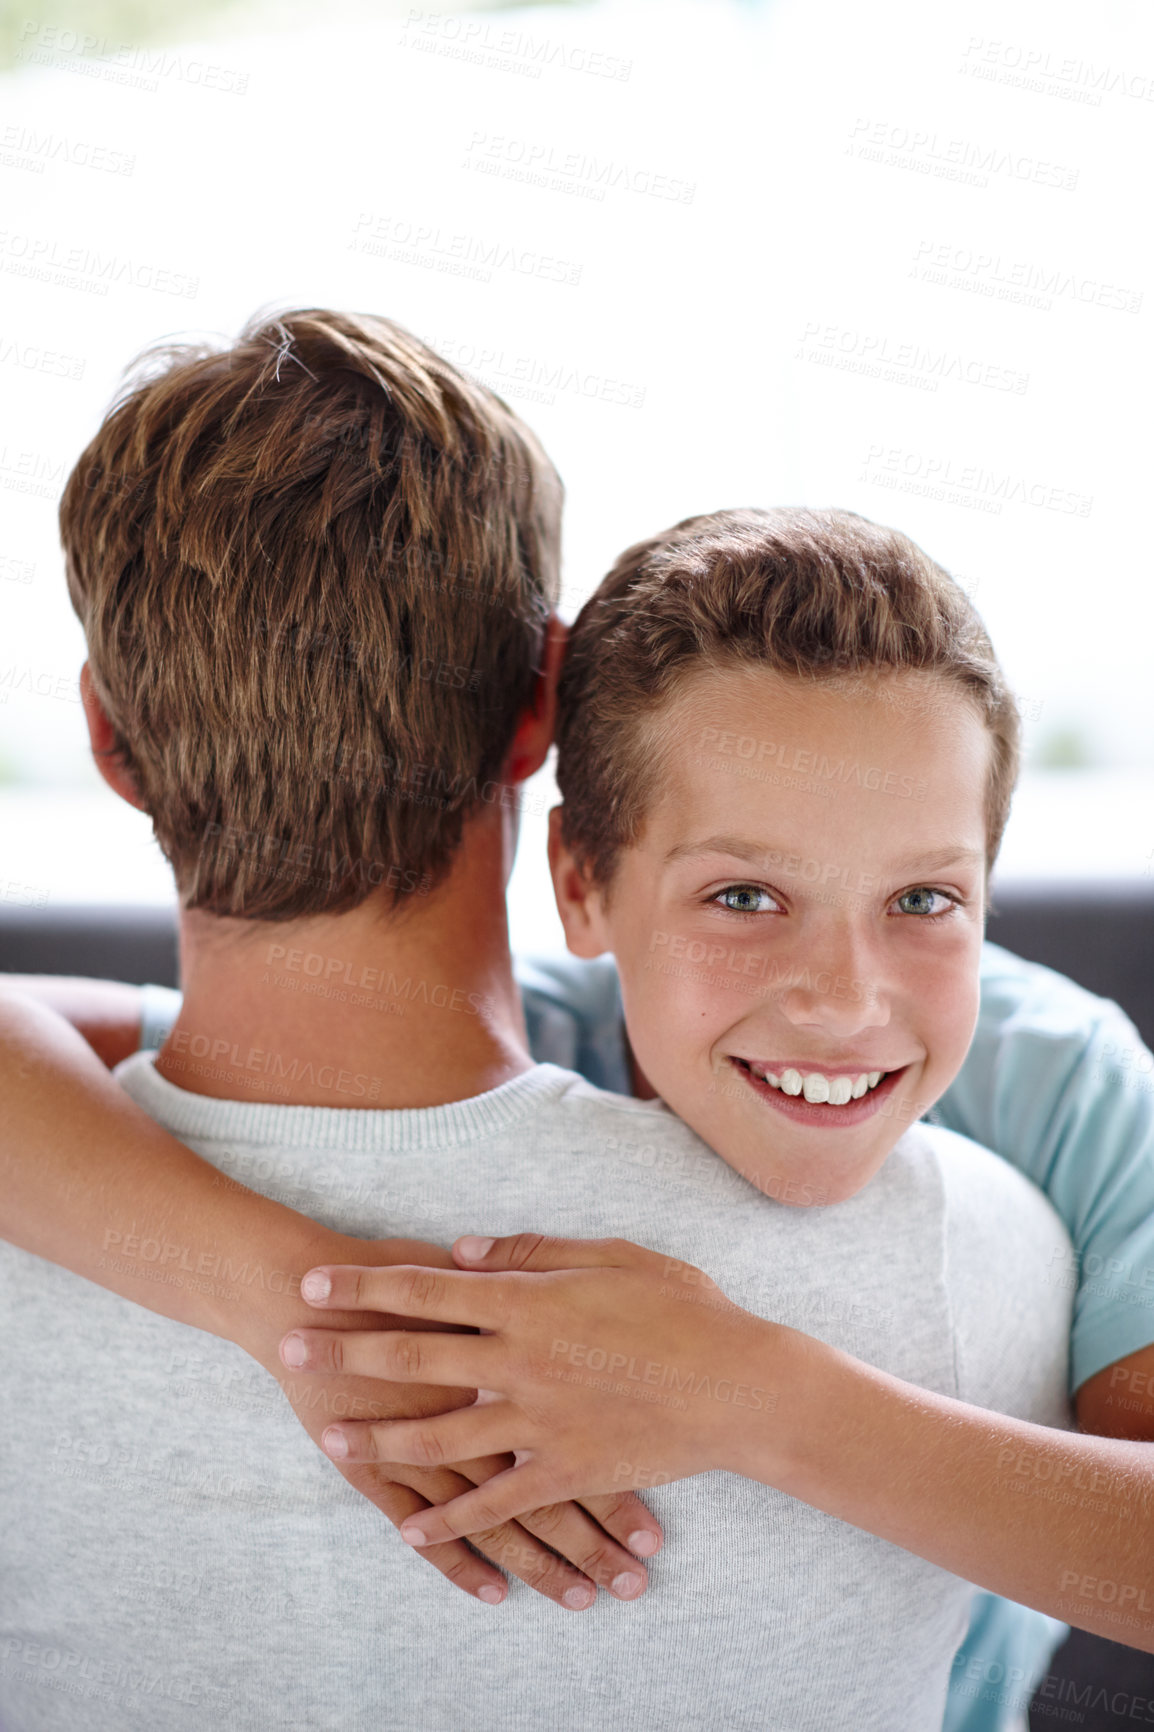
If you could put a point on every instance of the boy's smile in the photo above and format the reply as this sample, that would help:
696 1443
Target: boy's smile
798 924
809 1094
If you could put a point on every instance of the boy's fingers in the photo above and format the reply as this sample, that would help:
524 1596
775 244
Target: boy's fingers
533 1252
509 1544
453 1558
405 1289
394 1356
570 1531
499 1500
524 1556
565 1527
623 1515
462 1435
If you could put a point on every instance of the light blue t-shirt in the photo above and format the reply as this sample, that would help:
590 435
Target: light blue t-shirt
1058 1083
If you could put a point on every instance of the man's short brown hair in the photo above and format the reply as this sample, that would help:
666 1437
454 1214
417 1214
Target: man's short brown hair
314 571
813 594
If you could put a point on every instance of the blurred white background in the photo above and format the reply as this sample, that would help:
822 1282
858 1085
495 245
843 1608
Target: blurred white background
895 258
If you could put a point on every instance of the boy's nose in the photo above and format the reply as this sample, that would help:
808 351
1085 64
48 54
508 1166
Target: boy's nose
819 1006
836 987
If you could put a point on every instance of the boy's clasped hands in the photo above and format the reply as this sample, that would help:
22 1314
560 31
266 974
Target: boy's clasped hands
578 1340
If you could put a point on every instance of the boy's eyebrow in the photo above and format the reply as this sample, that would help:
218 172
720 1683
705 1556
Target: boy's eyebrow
720 845
950 855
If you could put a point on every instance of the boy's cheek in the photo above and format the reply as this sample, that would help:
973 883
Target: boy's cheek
949 1002
674 1024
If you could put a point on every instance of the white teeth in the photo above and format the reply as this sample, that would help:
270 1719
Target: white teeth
819 1089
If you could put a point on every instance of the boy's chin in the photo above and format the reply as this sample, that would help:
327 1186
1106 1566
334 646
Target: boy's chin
816 1177
810 1183
819 1187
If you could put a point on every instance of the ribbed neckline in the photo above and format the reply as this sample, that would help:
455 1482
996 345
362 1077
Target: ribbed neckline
372 1129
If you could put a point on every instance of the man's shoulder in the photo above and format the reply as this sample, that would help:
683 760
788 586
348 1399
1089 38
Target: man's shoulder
979 1182
548 1103
1007 1255
580 1106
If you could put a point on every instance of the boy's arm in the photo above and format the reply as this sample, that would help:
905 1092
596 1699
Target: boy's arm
89 1181
106 1012
86 1177
1053 1519
1056 1081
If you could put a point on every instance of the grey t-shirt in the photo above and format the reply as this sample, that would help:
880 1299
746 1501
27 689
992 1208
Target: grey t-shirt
177 1553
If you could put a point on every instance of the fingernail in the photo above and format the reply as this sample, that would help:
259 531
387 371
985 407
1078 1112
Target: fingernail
626 1586
578 1598
491 1595
316 1285
294 1351
473 1249
413 1535
644 1543
336 1444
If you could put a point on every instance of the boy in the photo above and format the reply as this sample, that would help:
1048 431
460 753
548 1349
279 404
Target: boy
239 830
802 1088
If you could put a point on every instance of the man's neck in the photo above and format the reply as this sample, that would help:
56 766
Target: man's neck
366 1009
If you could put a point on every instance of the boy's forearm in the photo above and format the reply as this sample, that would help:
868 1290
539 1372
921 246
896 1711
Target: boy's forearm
89 1181
1058 1520
106 1012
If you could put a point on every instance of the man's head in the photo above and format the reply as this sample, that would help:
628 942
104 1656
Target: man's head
314 572
786 752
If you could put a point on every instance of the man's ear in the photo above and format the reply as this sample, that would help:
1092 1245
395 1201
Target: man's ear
579 903
106 748
534 733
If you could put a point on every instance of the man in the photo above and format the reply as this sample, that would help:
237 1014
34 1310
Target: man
363 662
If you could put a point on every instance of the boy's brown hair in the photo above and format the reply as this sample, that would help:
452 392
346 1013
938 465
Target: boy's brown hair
812 594
314 571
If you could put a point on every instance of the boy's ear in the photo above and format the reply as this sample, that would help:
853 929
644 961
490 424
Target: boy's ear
578 902
106 748
534 732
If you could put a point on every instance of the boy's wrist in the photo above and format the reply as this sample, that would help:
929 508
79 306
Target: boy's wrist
261 1308
767 1403
263 1300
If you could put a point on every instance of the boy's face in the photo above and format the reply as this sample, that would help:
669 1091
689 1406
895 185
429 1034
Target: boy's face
805 904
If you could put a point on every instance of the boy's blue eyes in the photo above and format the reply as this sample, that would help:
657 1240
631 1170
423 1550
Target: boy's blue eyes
926 896
752 899
743 898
